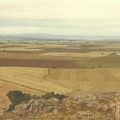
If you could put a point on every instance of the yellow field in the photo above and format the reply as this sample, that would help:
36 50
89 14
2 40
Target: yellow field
40 80
61 80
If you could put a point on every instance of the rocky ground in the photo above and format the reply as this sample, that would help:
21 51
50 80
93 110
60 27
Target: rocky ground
53 106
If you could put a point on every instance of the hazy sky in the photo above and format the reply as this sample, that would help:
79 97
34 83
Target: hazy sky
66 17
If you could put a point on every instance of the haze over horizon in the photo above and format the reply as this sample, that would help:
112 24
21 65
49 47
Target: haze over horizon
60 17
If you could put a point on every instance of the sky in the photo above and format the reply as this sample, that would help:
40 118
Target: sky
60 17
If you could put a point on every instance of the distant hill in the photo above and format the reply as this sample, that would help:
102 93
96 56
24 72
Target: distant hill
55 37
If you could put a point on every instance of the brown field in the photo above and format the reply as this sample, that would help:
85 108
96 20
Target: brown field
64 67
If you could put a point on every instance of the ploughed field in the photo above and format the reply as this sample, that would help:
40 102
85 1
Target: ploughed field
66 67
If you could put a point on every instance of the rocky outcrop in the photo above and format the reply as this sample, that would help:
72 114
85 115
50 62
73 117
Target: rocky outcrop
53 106
17 97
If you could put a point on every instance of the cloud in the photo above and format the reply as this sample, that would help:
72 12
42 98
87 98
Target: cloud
60 16
59 9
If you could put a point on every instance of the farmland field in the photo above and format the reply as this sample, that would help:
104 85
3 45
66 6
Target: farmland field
63 67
